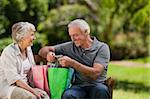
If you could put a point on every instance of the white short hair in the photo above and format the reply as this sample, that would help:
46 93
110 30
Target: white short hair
21 30
82 24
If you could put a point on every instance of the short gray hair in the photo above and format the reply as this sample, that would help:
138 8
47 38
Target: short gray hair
21 30
82 24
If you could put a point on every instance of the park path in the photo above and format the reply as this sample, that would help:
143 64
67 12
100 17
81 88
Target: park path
130 63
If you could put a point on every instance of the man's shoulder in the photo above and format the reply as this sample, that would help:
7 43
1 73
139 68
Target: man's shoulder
102 45
68 43
65 44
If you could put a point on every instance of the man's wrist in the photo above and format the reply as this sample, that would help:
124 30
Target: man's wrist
75 64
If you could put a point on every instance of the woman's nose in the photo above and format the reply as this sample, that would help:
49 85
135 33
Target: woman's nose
34 37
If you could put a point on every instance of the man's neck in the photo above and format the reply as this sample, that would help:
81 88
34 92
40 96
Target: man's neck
88 43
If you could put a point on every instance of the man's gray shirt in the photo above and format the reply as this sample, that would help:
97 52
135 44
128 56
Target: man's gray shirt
97 53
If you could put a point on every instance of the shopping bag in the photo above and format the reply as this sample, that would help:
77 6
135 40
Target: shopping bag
38 79
39 73
70 78
57 78
45 76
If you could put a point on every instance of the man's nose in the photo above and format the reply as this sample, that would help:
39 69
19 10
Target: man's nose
76 37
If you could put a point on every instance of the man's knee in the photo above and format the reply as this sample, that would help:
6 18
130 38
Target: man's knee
67 94
74 93
102 91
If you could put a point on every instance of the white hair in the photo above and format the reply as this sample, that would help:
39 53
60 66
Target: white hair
21 30
82 24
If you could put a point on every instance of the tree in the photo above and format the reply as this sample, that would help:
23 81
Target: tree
13 11
55 26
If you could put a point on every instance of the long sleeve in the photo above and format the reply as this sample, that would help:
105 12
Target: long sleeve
9 66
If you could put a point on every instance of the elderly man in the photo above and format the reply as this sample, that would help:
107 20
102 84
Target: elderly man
87 56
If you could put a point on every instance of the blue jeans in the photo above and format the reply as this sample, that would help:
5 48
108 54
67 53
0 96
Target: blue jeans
99 91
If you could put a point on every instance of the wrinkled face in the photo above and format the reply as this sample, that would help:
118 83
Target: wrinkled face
77 36
28 40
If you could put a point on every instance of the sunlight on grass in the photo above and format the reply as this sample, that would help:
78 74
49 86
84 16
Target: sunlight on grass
131 74
131 82
121 94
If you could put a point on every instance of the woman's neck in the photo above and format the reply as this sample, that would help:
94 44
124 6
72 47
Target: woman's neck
23 51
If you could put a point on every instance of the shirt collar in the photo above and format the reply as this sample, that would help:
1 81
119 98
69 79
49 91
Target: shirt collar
16 47
18 52
95 44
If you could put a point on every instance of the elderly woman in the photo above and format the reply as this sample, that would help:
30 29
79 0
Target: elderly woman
15 62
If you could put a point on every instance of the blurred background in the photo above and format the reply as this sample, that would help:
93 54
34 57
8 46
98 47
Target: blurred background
123 24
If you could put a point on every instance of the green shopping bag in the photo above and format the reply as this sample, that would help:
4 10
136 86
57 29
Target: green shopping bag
57 78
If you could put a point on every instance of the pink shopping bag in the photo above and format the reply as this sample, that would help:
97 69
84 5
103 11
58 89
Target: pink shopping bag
40 81
45 75
38 78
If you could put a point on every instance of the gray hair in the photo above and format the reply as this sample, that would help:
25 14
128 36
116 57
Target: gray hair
82 24
21 30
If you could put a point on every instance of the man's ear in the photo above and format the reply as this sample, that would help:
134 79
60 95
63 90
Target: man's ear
86 31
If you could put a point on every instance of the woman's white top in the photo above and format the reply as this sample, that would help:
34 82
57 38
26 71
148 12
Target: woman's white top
26 68
13 68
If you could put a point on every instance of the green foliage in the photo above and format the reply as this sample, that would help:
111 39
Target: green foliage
41 39
141 18
3 24
55 26
129 45
4 42
63 15
38 8
19 4
107 19
39 42
12 11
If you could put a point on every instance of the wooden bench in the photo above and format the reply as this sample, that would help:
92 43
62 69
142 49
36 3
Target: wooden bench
110 83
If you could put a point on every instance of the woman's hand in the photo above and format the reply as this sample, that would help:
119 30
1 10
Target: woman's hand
25 86
37 94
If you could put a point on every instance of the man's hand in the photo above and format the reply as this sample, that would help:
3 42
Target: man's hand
50 57
45 50
66 61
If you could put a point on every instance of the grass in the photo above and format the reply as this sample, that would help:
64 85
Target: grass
130 74
131 82
142 60
121 94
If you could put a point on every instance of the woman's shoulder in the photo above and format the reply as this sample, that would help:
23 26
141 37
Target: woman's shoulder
9 49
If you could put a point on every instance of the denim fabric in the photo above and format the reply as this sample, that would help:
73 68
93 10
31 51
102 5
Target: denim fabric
99 91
